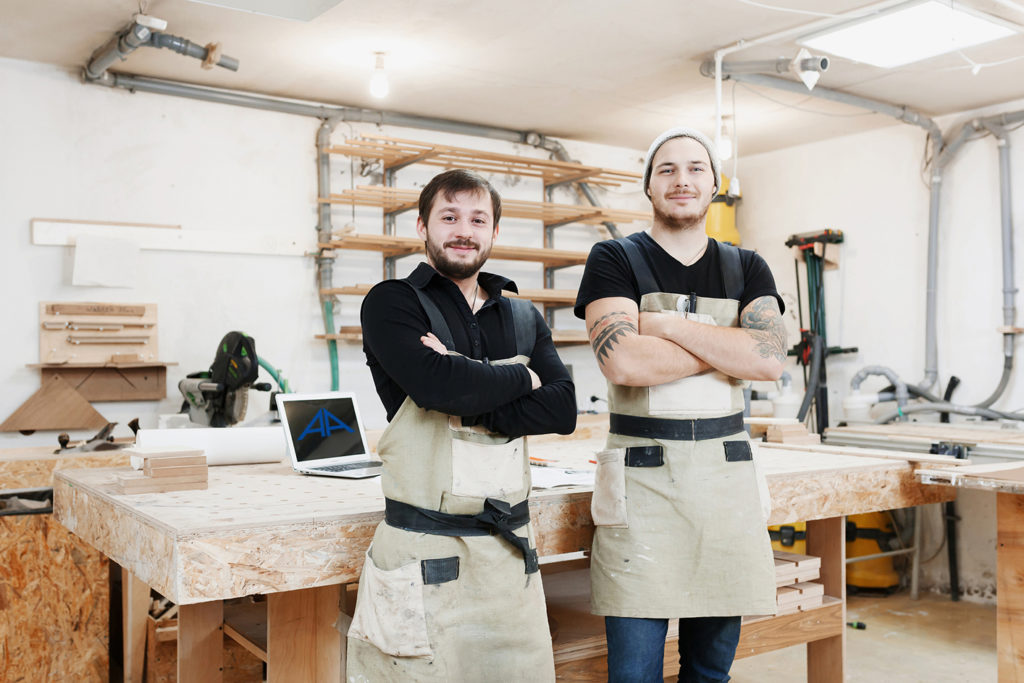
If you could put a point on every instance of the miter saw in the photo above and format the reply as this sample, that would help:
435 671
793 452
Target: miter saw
219 396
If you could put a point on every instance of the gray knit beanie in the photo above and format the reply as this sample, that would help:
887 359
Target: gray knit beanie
682 132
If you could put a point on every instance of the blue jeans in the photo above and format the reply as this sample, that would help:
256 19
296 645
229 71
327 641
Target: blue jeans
636 649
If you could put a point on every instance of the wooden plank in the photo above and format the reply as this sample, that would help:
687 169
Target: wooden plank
870 453
774 633
397 245
547 296
270 243
188 472
1010 586
826 539
55 406
400 152
95 308
134 622
201 642
302 643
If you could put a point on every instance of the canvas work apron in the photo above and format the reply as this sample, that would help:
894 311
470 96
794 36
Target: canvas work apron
448 605
681 515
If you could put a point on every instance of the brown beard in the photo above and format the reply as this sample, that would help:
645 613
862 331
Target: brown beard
452 269
679 223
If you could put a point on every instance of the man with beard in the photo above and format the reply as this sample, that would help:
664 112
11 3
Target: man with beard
677 322
450 589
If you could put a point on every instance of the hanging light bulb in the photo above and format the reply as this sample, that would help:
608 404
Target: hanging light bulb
379 87
724 143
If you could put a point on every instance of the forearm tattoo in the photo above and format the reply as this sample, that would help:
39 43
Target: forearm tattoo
763 322
609 330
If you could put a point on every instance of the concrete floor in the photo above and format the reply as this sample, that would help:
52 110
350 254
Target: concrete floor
931 639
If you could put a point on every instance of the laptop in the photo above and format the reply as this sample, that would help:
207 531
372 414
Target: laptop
325 435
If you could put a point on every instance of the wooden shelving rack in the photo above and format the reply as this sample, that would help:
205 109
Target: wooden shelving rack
396 153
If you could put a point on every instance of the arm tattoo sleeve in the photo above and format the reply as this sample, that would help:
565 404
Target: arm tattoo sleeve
763 322
609 330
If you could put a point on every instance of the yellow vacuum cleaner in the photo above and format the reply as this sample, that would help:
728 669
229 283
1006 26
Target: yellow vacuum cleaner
869 534
721 223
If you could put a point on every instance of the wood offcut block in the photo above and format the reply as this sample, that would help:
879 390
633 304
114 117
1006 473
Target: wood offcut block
791 433
161 472
799 597
792 568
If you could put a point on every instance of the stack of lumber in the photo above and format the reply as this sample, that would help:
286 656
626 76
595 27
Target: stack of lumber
794 577
790 433
160 471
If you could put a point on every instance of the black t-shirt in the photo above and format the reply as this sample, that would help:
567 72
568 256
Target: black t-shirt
496 396
608 274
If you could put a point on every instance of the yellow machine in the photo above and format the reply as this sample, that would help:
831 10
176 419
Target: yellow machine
721 223
869 534
790 538
866 534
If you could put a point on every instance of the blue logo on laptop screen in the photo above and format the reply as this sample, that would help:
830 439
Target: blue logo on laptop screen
324 424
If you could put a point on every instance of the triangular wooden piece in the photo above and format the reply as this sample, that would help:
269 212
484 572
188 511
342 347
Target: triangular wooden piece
55 406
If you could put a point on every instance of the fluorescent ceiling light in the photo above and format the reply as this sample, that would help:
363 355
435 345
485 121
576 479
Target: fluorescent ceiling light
909 33
300 10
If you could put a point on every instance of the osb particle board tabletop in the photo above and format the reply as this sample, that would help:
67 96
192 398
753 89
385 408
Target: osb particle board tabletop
264 528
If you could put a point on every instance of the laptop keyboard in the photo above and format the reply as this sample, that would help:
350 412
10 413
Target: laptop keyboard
345 467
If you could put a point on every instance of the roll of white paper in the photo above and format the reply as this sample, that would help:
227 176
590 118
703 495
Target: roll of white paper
227 446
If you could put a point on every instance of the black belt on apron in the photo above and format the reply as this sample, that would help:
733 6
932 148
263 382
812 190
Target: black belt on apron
675 430
498 517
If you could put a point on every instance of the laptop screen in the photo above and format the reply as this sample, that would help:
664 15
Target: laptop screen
323 427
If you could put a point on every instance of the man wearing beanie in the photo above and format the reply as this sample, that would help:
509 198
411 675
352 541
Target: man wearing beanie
678 322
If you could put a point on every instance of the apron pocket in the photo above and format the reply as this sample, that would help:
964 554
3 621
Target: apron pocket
389 610
737 451
645 456
441 570
487 470
608 504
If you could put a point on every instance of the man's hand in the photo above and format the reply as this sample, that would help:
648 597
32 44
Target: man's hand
431 341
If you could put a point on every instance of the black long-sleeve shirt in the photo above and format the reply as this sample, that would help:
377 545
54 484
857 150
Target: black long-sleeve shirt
495 396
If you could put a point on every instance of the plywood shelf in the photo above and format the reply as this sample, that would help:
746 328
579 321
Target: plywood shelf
396 200
565 297
559 337
395 153
395 245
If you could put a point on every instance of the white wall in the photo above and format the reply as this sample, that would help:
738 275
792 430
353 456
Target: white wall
72 151
869 186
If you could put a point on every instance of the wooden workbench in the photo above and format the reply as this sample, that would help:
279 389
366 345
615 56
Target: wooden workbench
262 529
1006 480
54 588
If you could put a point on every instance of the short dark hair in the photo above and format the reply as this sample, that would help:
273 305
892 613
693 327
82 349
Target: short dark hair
451 183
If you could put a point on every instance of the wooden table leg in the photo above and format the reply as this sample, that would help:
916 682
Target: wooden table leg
826 538
1010 586
201 642
303 646
134 612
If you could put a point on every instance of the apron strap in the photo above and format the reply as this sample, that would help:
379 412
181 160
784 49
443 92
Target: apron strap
498 517
437 323
641 271
732 270
524 324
